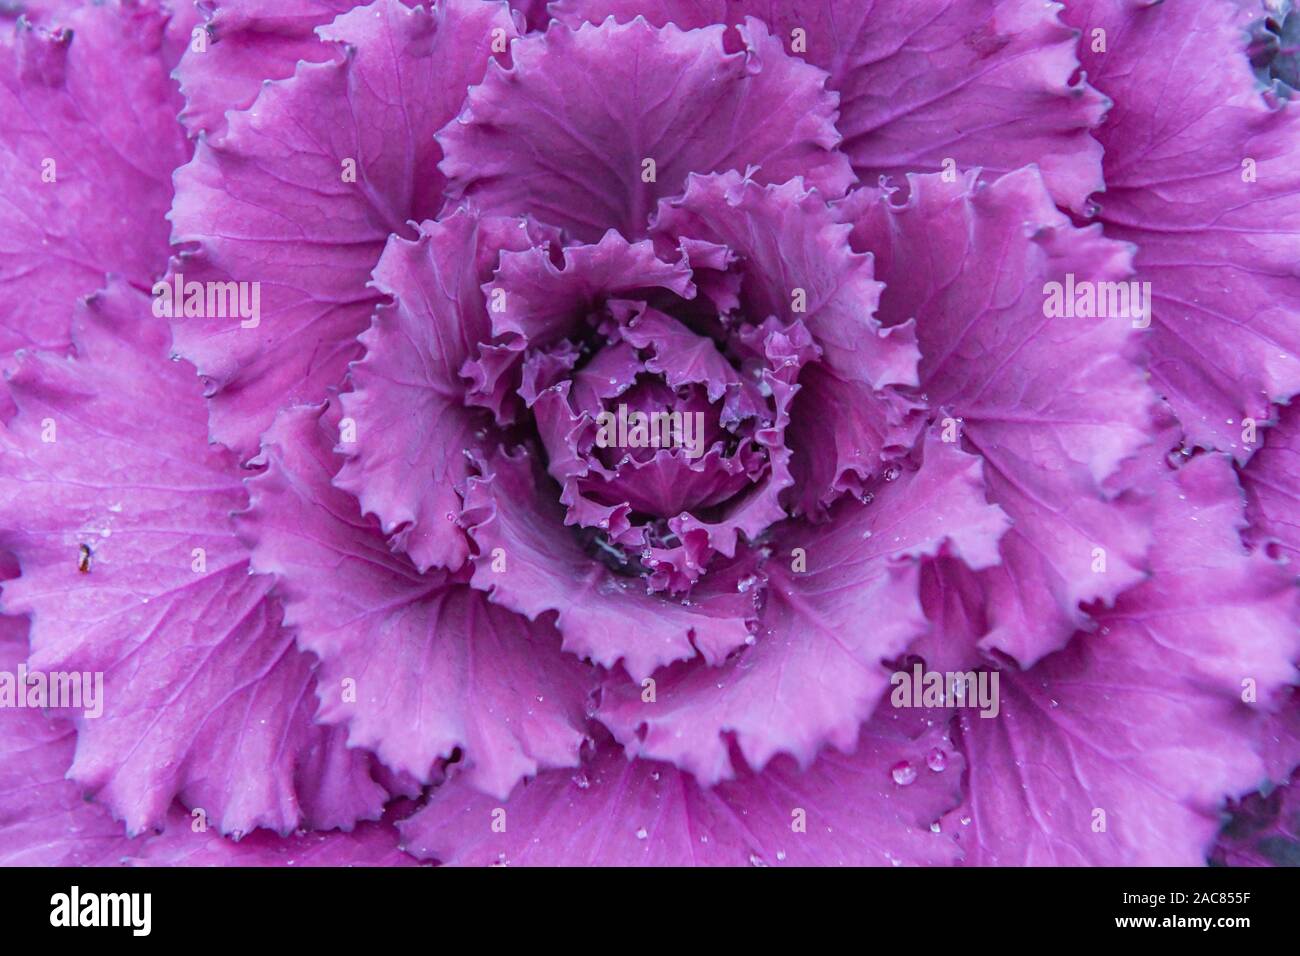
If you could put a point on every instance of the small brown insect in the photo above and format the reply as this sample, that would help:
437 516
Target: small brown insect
83 559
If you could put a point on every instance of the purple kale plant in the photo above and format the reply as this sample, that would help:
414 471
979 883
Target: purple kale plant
677 432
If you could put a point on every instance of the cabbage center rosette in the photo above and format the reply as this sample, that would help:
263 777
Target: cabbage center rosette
665 453
653 381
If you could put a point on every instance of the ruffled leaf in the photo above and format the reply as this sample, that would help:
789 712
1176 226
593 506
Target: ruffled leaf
408 402
538 299
795 263
87 180
1203 175
130 567
1109 753
844 811
1054 405
543 138
1233 615
301 193
416 665
925 84
44 821
243 45
1272 483
370 844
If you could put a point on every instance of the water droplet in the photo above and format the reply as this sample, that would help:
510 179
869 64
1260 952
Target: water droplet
937 760
903 773
641 834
